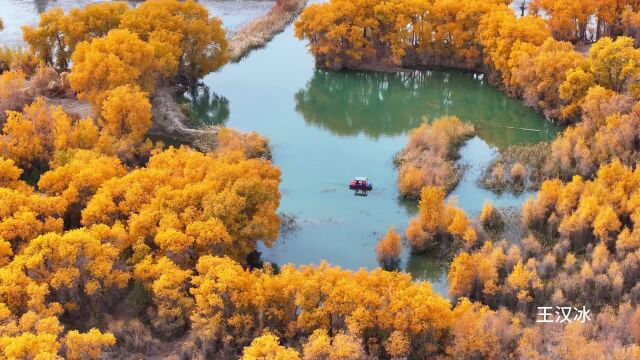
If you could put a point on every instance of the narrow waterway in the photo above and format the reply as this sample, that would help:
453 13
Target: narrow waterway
327 127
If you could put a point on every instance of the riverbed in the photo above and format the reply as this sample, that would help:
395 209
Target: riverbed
327 127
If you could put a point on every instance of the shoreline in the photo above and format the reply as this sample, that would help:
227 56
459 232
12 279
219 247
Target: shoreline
260 31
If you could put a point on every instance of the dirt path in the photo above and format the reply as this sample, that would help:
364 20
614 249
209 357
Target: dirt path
261 30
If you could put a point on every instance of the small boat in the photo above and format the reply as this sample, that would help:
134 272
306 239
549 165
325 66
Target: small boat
361 183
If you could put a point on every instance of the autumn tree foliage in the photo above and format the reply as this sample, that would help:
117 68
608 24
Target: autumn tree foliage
427 159
126 113
119 58
76 176
266 347
300 301
609 130
184 31
347 33
114 227
55 37
33 137
491 217
538 73
188 204
389 248
36 336
12 96
188 43
500 33
586 211
568 20
439 223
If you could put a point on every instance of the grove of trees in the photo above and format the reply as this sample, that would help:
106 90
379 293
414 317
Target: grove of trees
112 245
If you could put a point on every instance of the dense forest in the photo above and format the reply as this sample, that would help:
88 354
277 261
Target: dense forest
114 246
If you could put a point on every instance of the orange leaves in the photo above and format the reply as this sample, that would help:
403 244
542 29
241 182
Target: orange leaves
523 279
75 261
78 178
476 275
87 345
168 284
347 33
189 43
302 300
500 31
209 201
119 58
57 34
541 74
567 19
12 95
267 347
599 206
389 248
126 112
426 159
436 221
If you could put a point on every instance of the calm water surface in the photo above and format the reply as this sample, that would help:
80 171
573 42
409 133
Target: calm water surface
326 128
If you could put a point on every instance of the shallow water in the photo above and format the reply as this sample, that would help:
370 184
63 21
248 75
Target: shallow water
327 127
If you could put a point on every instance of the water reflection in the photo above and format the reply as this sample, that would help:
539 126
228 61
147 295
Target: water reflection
429 269
207 108
377 104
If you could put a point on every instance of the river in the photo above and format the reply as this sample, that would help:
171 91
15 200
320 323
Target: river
327 127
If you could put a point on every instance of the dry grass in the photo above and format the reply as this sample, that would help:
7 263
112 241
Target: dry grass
133 336
12 92
260 31
428 158
517 168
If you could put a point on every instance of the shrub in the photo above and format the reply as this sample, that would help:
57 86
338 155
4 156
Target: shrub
438 222
491 218
389 248
518 172
12 94
427 159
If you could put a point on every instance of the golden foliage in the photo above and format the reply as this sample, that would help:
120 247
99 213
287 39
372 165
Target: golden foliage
126 113
88 345
389 248
56 36
267 347
345 33
361 302
213 205
426 160
119 58
438 222
191 43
